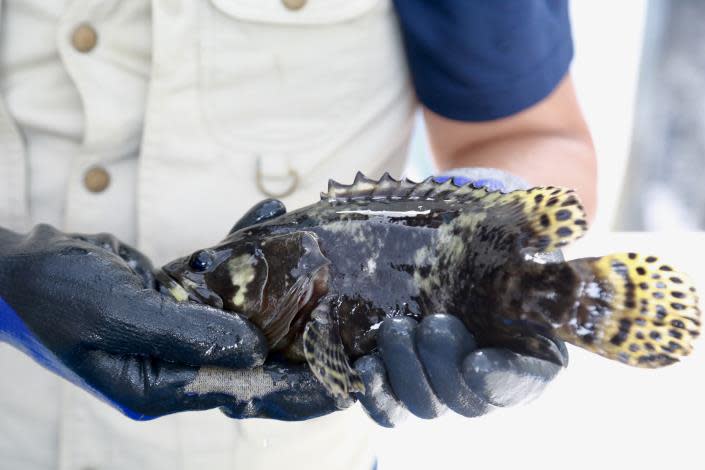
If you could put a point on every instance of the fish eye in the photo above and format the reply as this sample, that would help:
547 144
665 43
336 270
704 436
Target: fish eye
201 260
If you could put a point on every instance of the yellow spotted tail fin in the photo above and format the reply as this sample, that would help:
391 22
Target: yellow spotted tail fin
634 309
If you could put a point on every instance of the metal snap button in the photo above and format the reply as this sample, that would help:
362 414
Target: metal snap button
96 179
294 4
84 38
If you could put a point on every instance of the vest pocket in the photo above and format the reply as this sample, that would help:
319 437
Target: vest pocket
275 81
309 11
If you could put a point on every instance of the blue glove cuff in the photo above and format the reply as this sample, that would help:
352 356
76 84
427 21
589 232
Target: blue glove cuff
490 178
14 331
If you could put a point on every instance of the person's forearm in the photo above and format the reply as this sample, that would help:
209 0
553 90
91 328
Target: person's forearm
538 158
547 144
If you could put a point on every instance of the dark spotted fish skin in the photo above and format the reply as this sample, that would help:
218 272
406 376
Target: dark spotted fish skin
376 270
379 249
382 265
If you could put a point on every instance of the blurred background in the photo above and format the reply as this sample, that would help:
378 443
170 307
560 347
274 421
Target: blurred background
664 188
639 70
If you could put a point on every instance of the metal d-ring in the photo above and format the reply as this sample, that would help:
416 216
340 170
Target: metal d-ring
291 174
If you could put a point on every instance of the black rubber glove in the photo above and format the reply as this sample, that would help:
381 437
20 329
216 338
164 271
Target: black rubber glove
425 368
86 308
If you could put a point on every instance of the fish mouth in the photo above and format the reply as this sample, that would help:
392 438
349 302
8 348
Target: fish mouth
188 290
169 286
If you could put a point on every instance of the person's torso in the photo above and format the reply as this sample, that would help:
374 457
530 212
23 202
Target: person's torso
163 122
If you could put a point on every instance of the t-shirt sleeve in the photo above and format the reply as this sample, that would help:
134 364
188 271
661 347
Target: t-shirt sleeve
477 60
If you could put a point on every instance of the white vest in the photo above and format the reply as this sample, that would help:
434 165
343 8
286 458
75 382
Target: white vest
196 109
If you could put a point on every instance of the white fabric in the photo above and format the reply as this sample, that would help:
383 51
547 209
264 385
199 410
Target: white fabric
180 101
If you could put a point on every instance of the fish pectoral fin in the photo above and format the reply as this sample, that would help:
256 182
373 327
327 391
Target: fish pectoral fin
326 357
278 324
310 285
260 212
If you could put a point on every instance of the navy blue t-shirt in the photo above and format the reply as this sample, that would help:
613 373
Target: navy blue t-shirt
477 60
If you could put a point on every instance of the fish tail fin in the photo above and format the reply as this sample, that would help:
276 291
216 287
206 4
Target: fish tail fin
633 309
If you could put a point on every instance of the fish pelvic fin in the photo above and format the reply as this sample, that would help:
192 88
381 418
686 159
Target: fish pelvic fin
326 357
634 309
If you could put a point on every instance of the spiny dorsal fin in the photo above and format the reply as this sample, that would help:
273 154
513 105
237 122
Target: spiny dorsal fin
387 187
548 217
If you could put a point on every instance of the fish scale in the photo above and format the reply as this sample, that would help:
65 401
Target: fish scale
320 279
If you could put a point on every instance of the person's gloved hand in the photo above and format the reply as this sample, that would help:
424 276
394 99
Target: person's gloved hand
427 367
86 308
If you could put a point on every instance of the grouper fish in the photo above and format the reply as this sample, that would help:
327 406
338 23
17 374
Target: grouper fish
320 280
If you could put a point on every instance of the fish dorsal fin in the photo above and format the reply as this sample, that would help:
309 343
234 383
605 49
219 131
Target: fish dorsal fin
386 187
547 217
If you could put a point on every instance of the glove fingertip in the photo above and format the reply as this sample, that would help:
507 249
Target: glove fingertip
564 352
200 335
504 378
378 401
244 346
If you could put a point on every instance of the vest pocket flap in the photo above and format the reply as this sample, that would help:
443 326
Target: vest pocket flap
295 12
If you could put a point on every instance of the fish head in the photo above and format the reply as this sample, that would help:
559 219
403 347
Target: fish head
249 275
216 275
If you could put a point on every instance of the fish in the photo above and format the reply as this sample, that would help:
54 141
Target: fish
319 281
